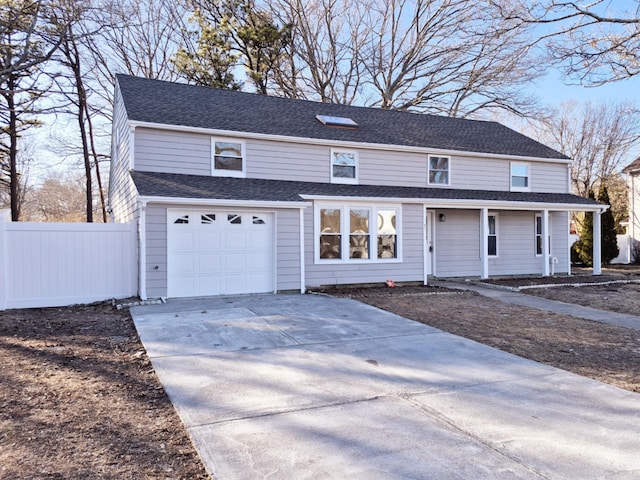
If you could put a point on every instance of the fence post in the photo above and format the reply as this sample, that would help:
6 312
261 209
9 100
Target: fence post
5 217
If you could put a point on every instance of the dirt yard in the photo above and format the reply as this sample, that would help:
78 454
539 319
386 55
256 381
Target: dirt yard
79 399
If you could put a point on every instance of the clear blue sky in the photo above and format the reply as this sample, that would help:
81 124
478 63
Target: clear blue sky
553 90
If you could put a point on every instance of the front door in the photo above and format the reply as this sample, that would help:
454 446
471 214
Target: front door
429 244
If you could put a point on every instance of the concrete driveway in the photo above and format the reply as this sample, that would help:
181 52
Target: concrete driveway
312 387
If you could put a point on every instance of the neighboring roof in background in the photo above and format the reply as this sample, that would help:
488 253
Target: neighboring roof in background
633 167
172 185
169 103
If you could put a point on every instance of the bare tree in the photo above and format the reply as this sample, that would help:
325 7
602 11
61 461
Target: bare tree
73 88
598 137
25 158
322 62
26 29
137 37
454 57
60 198
597 42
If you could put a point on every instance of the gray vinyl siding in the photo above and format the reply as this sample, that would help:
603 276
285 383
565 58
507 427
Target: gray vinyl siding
122 192
411 269
457 244
287 161
156 232
172 152
190 153
288 250
287 247
559 225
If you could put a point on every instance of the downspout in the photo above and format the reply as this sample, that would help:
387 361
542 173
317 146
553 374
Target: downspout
142 250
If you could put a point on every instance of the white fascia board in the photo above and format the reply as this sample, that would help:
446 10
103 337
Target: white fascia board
224 203
342 144
472 204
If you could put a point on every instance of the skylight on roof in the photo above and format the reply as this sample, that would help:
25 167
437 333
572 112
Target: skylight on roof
331 121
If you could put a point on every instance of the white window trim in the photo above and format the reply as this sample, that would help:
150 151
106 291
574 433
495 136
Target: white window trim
448 170
515 188
345 227
497 235
228 173
350 181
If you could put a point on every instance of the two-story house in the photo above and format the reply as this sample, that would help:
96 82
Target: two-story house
241 193
633 228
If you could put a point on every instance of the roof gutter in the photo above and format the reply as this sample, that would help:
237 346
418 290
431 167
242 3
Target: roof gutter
231 203
342 143
464 203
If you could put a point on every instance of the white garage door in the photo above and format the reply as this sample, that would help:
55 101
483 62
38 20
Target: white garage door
219 252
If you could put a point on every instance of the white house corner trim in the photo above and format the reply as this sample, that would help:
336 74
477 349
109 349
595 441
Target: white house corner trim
132 147
4 274
142 251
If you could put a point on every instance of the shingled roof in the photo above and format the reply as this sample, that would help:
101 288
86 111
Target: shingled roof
633 167
154 184
170 103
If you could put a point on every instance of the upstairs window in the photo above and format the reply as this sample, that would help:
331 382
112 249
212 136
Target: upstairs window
439 170
228 158
344 166
520 177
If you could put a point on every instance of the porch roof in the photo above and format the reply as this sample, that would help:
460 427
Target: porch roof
169 186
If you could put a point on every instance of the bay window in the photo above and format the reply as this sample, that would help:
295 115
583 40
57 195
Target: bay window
357 234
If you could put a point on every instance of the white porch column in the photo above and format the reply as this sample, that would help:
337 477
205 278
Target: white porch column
597 248
484 242
5 217
545 244
303 280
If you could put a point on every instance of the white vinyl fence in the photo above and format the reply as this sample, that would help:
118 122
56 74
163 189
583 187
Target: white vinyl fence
624 245
57 264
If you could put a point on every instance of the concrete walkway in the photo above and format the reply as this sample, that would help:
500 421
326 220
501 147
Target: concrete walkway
523 299
312 387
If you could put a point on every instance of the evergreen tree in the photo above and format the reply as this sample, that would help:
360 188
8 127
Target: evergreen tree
609 242
584 245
